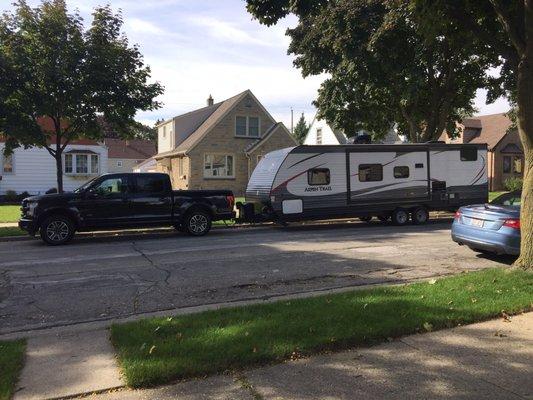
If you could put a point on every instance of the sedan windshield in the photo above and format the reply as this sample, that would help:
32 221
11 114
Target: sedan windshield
508 199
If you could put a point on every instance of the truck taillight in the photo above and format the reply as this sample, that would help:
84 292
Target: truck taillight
231 201
513 223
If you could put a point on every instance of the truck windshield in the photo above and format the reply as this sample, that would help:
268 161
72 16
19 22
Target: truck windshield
85 186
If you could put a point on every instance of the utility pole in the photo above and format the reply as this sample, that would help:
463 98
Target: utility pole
292 120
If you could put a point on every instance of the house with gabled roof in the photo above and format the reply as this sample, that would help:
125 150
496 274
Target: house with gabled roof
505 157
125 154
219 145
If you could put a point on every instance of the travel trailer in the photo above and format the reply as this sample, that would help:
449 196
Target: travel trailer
400 182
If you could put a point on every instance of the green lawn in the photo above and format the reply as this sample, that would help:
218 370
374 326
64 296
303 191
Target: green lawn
9 213
11 360
159 350
11 231
493 195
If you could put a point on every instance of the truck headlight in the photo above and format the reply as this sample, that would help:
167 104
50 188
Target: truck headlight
31 208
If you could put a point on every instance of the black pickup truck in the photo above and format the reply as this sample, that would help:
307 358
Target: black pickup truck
124 201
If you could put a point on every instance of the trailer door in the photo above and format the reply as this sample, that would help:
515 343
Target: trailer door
388 176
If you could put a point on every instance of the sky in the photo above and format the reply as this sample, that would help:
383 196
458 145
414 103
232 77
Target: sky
198 48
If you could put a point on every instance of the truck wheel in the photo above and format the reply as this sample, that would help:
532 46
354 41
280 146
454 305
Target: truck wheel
400 216
56 230
419 216
365 219
197 223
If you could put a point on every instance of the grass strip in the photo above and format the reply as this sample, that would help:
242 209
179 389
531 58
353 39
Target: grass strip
493 195
9 213
11 231
160 350
11 361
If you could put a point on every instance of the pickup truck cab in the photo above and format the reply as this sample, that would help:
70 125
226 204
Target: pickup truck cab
129 200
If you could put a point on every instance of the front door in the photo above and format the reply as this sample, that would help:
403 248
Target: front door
106 203
151 200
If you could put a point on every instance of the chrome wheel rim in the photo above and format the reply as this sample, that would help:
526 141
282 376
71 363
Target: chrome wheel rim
57 231
402 217
198 223
421 216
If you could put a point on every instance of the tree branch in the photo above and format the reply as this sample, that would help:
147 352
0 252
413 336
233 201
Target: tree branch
519 42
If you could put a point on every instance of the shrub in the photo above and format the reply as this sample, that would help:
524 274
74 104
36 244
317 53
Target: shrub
11 196
23 195
512 184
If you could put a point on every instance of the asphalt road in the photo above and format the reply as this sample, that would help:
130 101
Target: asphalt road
105 278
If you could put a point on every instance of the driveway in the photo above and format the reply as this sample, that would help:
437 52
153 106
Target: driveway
113 277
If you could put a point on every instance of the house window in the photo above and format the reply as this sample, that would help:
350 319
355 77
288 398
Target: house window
180 166
318 176
506 164
81 164
247 126
218 166
7 164
517 165
370 172
468 154
94 164
119 163
164 132
401 172
319 136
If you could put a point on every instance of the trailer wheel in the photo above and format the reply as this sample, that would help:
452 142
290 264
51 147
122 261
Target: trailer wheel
420 215
366 219
400 216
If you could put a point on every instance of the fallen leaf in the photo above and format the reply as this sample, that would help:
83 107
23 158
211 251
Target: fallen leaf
474 300
427 326
506 317
432 281
255 350
499 334
365 306
151 349
450 302
156 329
169 319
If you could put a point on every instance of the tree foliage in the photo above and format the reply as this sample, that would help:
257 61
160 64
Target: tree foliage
50 66
383 71
301 129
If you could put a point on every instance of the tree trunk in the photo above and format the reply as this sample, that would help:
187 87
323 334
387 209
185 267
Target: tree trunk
525 130
59 170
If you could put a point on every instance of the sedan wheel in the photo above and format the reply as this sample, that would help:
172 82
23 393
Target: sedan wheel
56 230
198 223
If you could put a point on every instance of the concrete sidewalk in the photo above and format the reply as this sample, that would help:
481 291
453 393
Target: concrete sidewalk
489 360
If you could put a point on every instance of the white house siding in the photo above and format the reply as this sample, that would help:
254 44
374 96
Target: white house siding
165 134
35 170
328 136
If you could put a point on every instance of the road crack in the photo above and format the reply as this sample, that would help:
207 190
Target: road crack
152 263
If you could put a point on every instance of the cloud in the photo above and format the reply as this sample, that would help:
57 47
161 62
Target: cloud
138 25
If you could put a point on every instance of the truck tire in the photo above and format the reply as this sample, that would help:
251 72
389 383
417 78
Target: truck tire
419 216
400 216
56 230
197 223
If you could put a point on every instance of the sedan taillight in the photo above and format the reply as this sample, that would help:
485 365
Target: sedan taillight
457 215
513 223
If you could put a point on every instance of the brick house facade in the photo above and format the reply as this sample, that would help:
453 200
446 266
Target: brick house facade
505 154
218 146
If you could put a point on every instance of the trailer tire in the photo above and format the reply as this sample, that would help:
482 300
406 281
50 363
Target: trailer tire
400 216
420 215
197 223
366 219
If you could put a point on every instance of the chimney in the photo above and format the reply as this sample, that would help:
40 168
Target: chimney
210 101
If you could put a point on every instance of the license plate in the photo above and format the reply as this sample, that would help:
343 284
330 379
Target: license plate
476 222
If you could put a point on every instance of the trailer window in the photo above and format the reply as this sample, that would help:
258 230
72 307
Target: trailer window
370 172
468 154
401 172
318 176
